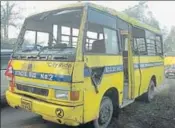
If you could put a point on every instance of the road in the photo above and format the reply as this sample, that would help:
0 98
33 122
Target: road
13 118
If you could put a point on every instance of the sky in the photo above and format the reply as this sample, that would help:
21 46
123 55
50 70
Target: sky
162 10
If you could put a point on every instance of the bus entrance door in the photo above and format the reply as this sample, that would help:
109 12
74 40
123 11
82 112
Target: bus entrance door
128 69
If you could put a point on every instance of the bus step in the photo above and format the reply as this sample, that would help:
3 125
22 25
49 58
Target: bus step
126 102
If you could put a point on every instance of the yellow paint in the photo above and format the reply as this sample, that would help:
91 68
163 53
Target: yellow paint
169 60
72 115
115 80
148 73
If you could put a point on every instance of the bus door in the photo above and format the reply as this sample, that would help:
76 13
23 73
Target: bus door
128 66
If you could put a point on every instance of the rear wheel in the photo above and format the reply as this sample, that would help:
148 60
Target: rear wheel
105 115
149 96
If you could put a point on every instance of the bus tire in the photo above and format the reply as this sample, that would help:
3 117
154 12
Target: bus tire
105 113
149 95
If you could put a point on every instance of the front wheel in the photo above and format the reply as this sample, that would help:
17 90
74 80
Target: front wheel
105 114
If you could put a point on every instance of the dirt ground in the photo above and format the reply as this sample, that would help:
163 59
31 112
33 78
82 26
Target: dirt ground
158 114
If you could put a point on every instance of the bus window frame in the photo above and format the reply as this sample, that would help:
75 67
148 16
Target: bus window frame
161 44
105 14
115 29
106 54
153 39
156 34
133 37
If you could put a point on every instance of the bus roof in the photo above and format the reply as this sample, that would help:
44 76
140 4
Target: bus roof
113 12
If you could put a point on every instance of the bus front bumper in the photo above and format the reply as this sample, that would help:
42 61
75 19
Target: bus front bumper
71 116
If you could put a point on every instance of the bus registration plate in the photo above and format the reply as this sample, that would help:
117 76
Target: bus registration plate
26 104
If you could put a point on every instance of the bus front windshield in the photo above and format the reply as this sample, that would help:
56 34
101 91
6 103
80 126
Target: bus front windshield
53 32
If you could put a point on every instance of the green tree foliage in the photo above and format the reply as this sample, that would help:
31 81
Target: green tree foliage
143 14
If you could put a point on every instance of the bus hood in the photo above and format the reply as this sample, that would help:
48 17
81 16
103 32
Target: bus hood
43 70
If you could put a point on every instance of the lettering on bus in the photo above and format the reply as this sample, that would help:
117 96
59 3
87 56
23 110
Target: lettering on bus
47 76
32 74
112 69
61 65
21 73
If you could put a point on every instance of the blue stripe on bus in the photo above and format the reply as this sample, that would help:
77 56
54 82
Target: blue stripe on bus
113 69
147 65
87 72
43 76
107 70
119 68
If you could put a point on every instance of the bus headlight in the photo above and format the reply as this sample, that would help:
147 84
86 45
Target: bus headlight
60 94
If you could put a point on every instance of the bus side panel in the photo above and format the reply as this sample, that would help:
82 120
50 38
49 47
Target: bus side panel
150 66
136 77
92 99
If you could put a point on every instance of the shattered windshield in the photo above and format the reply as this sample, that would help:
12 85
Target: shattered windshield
53 32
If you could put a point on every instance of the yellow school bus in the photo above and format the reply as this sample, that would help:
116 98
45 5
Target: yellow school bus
82 62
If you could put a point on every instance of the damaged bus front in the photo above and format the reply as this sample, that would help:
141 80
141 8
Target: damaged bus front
45 71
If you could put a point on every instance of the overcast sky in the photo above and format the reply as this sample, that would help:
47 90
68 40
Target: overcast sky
164 11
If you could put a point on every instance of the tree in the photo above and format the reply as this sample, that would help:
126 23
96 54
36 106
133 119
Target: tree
152 20
170 41
137 11
9 16
143 14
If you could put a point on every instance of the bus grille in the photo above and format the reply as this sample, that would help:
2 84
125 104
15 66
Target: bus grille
38 91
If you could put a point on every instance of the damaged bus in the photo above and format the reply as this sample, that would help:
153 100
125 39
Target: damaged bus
82 62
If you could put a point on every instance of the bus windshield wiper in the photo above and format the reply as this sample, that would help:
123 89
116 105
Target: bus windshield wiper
46 47
29 50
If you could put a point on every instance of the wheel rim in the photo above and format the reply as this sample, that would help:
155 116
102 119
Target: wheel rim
105 115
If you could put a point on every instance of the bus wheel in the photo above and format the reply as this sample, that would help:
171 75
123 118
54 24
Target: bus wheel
105 115
149 96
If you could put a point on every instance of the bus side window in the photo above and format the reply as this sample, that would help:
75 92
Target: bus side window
139 41
126 44
135 47
150 41
101 40
159 45
104 35
111 41
140 46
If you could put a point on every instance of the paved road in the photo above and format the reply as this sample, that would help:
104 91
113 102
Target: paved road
13 118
